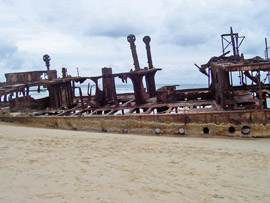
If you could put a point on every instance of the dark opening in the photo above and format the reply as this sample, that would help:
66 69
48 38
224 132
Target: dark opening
205 130
245 130
162 109
219 100
231 129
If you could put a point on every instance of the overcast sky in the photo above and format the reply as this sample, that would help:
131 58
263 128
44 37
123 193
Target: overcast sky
91 34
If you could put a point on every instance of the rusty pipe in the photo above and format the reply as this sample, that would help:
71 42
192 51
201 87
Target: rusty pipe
46 59
147 40
131 39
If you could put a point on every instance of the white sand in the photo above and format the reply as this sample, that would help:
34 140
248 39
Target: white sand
47 165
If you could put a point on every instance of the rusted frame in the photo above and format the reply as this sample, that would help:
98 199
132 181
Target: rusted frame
149 108
262 66
64 112
234 41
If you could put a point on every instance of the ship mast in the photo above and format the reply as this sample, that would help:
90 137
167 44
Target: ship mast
232 39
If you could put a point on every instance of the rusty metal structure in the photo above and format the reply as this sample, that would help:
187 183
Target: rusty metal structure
234 104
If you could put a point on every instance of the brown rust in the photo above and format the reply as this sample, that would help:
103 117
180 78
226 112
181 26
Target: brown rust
235 104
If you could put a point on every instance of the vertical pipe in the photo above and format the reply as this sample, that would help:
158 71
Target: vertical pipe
231 79
147 40
27 90
242 77
237 48
233 42
73 88
150 77
131 39
260 92
70 93
46 59
78 72
266 50
252 84
208 77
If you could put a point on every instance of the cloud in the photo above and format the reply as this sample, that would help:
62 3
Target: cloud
92 33
114 30
9 56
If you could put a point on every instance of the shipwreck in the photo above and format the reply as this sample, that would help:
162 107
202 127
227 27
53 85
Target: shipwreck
234 104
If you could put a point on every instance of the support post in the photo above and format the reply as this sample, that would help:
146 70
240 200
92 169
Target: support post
150 76
260 92
109 89
151 84
139 92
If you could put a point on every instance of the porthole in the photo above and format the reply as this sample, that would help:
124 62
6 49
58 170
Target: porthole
157 131
205 130
245 130
181 131
231 129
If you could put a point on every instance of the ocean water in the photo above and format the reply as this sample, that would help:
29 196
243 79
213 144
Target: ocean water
120 88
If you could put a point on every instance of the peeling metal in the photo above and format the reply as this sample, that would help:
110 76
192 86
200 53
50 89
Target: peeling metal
250 92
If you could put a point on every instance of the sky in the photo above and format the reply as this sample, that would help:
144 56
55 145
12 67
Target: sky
92 34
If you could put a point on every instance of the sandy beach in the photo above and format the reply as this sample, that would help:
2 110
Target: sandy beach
50 165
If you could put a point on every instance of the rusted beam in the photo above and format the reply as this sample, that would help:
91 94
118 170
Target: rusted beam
245 67
254 79
203 67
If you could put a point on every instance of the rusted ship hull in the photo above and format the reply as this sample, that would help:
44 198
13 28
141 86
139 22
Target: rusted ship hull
236 102
249 123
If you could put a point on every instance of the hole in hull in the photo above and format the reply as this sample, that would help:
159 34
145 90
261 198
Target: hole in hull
205 130
245 130
231 129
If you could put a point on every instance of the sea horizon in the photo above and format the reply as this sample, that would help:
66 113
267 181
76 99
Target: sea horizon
120 88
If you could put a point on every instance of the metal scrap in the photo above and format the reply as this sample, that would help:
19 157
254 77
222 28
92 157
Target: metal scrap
223 92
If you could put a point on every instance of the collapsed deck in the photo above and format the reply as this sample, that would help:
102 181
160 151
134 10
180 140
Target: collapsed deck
244 95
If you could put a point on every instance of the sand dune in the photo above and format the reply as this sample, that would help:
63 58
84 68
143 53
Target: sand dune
48 165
